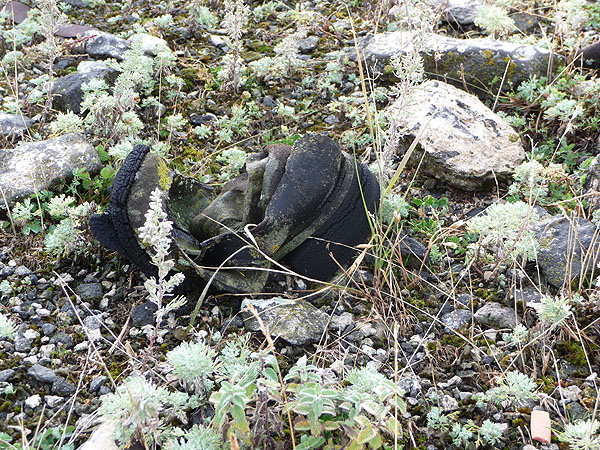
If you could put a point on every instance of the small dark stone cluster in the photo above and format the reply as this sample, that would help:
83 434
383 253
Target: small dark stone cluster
305 207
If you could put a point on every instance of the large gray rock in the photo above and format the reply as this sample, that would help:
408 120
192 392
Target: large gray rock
591 186
67 94
12 126
296 321
105 45
465 144
496 316
459 11
480 62
569 249
42 165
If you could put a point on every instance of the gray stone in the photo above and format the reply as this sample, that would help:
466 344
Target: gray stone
42 165
463 144
414 254
591 186
367 329
341 322
309 44
92 322
53 400
12 126
496 316
42 374
105 45
410 385
296 321
97 383
529 295
22 344
67 94
62 387
457 319
143 314
6 374
461 12
569 249
62 338
448 403
151 45
217 41
48 328
480 62
85 67
76 3
89 291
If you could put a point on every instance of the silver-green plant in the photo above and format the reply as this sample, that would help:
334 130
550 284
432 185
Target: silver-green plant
7 327
200 15
494 19
155 233
490 432
553 310
513 386
582 435
68 236
234 22
194 364
142 410
199 437
504 229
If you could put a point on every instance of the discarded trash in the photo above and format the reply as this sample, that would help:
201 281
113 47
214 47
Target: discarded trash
301 206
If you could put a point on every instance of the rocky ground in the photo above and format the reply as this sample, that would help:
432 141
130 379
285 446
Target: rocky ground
443 308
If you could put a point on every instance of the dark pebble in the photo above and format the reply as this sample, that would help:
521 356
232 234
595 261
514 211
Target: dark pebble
42 374
63 387
62 338
202 119
143 314
97 383
48 328
89 291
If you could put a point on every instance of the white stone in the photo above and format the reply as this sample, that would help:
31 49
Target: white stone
34 401
463 143
102 438
53 400
47 350
31 334
151 45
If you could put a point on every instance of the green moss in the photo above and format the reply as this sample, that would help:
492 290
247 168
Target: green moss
572 352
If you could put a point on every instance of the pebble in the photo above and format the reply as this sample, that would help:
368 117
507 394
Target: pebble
42 374
53 400
341 322
34 401
6 374
63 387
97 383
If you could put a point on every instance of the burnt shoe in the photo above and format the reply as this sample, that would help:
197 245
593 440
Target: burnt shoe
310 204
